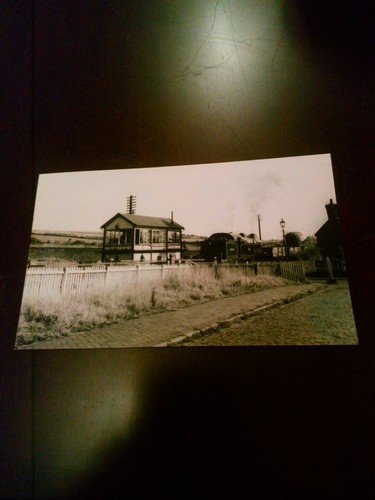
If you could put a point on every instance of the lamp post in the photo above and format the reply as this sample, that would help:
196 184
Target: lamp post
282 224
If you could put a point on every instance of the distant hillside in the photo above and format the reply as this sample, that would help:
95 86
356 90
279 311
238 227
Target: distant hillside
64 255
85 247
83 238
192 238
60 238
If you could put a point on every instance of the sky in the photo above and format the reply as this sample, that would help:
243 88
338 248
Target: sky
209 198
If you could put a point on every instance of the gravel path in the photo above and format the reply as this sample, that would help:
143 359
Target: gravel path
323 318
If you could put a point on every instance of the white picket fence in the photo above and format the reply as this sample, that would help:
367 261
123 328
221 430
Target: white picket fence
50 281
290 270
68 280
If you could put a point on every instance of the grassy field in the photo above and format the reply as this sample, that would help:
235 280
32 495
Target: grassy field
64 248
42 319
64 255
65 238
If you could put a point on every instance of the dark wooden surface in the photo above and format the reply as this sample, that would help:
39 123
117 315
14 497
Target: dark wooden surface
111 84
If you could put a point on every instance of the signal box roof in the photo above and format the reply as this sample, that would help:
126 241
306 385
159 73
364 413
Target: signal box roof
145 221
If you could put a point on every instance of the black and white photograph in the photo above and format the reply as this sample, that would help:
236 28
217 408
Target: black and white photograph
229 254
187 259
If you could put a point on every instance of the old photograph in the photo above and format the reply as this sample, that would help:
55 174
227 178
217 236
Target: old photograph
230 254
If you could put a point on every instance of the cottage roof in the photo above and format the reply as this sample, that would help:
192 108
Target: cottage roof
324 229
146 221
328 231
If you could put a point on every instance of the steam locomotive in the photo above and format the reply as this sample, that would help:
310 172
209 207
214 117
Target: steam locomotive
233 247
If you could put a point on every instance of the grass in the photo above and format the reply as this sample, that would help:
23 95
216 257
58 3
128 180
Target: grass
59 316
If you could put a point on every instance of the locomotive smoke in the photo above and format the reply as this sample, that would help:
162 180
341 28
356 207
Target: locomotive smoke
260 197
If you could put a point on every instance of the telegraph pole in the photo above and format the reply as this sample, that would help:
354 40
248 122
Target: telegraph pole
259 217
131 204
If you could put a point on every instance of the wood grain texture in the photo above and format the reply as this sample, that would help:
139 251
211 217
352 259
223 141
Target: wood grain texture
108 84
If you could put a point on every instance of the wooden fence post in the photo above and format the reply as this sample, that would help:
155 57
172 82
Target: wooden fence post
331 279
106 275
63 281
215 268
302 271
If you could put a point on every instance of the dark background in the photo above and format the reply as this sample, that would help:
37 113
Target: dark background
109 84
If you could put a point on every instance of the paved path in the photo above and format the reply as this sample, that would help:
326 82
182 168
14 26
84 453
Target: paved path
162 328
318 319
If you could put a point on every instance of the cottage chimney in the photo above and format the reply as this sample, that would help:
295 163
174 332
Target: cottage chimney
332 210
172 217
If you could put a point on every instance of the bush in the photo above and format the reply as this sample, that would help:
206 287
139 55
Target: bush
35 241
172 283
